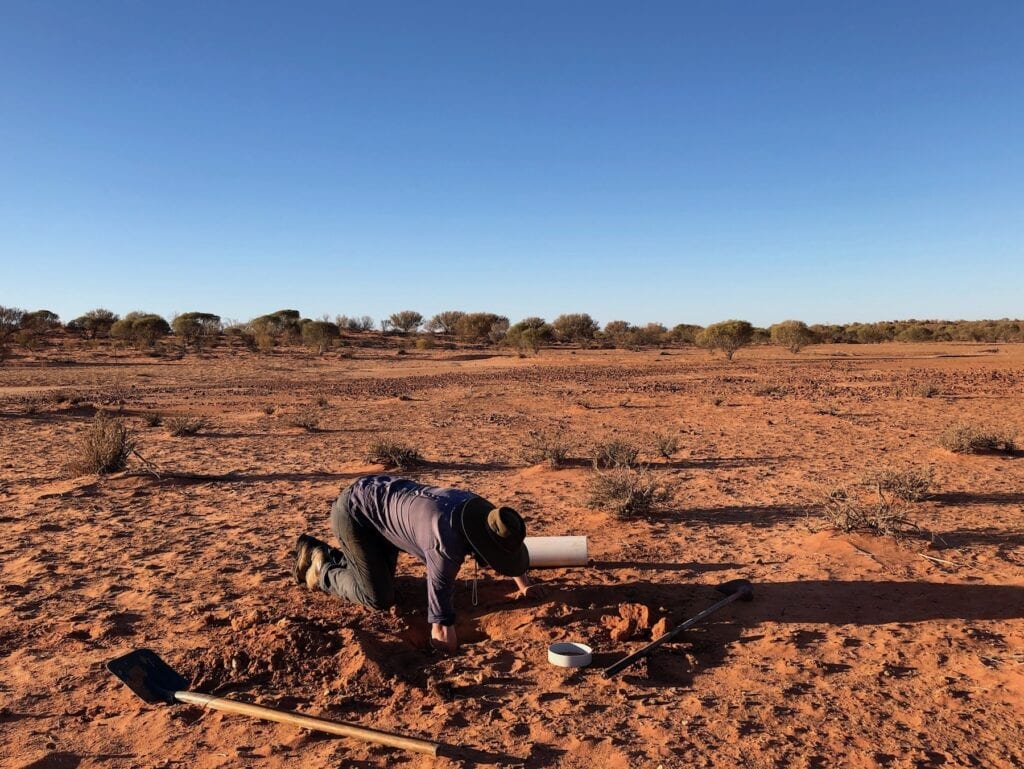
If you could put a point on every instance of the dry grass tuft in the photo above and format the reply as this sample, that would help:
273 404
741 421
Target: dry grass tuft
849 512
666 444
180 426
152 419
308 419
926 390
394 455
615 454
910 484
104 448
548 446
964 438
626 492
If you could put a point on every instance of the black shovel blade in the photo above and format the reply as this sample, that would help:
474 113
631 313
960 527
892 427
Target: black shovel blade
737 586
148 676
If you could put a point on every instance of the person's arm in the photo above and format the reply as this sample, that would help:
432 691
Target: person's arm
441 581
529 588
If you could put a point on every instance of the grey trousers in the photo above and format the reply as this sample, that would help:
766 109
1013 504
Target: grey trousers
368 575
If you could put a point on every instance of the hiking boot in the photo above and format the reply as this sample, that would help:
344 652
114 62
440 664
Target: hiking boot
304 547
317 562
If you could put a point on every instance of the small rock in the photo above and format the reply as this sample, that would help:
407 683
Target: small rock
660 628
624 630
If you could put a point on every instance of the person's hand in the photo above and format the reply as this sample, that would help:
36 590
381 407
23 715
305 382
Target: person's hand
533 590
442 638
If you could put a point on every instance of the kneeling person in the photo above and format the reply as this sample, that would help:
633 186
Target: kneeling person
379 516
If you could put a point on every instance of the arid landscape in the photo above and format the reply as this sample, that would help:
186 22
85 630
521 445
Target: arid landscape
859 649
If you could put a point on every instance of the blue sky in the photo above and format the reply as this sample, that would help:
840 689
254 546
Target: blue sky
673 162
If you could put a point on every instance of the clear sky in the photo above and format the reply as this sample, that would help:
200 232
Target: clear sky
676 162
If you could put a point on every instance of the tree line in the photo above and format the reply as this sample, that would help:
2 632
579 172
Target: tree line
198 330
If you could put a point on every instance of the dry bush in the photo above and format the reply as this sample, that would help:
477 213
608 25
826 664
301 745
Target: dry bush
104 448
392 454
910 484
269 409
548 446
307 419
771 390
666 444
626 492
152 419
925 390
322 402
964 438
849 512
180 426
615 454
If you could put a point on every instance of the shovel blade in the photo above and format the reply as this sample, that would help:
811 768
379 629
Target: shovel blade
148 676
733 586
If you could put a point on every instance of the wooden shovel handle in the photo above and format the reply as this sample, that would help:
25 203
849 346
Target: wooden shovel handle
308 722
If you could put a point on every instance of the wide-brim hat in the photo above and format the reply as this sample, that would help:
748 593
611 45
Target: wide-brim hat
496 535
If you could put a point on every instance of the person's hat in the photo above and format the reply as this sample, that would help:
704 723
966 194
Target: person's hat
496 535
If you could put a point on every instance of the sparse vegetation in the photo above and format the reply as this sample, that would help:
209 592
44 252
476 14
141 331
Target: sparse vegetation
140 329
626 492
103 448
849 511
10 322
318 334
181 425
926 390
666 444
152 419
548 446
393 454
964 438
308 419
910 484
614 454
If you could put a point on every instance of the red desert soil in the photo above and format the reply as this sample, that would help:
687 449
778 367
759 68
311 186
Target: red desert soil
857 651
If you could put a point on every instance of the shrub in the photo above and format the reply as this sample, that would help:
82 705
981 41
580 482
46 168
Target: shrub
792 334
280 326
308 419
140 329
574 327
152 419
965 438
626 492
103 448
10 322
196 328
94 322
445 322
615 454
392 454
529 334
405 321
179 426
481 327
848 512
685 333
269 409
910 484
727 336
926 390
546 446
666 444
318 334
425 343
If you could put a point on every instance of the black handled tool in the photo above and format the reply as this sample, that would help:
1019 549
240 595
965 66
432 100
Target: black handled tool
735 590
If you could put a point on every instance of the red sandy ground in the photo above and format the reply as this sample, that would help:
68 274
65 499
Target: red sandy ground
856 652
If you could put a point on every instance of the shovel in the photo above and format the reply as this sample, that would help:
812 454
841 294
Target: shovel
153 680
735 590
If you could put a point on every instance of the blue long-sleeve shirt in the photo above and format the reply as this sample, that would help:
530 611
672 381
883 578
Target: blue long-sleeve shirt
420 520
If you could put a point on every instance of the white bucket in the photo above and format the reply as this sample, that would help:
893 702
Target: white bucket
546 552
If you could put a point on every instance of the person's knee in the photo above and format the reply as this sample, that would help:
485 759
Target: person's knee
380 600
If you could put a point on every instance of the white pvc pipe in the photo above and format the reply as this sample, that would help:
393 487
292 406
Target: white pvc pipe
556 551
